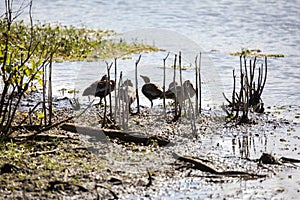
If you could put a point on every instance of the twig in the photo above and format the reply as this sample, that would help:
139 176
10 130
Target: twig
61 122
116 100
136 85
164 85
200 165
50 91
197 91
175 89
149 179
102 186
200 84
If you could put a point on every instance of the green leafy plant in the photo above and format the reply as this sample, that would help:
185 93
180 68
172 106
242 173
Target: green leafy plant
25 52
28 50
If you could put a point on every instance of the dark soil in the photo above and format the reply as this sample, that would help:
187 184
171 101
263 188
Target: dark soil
61 165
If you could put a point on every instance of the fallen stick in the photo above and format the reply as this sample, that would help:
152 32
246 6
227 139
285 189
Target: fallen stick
200 165
125 136
104 187
43 137
38 153
289 160
34 135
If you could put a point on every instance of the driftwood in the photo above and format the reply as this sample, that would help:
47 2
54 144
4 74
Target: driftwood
267 158
125 136
202 166
289 160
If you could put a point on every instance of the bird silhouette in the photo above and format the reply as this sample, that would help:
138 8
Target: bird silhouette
189 90
100 88
180 93
151 90
127 93
173 84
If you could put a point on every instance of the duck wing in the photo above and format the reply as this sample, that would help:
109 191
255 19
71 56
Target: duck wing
152 91
91 90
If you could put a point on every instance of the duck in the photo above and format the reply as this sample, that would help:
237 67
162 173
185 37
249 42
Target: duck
100 88
189 90
127 93
151 90
180 93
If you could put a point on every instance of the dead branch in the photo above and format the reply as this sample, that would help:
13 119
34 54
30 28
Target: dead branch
104 187
125 136
136 85
200 165
164 85
33 135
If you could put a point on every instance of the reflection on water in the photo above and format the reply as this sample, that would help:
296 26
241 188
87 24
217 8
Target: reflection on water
249 146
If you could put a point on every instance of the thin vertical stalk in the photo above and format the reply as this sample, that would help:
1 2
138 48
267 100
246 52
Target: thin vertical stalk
233 91
108 67
136 85
265 77
180 68
109 96
126 99
50 90
197 91
180 78
119 99
116 100
44 95
104 116
174 79
200 83
164 86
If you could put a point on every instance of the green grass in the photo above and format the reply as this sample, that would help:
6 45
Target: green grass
71 43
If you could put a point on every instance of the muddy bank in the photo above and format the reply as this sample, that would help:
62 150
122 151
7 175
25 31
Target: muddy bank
61 164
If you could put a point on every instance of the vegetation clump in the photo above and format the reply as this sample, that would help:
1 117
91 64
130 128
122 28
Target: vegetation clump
71 43
251 53
249 95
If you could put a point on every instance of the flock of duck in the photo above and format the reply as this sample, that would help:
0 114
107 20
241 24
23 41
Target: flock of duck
127 92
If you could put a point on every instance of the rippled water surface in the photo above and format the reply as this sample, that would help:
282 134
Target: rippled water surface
194 26
226 26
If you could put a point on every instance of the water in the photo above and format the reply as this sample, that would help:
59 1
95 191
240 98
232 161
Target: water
226 26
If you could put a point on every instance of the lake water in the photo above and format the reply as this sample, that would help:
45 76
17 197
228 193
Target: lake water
226 26
193 26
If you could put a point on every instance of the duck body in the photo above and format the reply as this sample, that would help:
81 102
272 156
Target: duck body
180 93
151 90
100 88
127 93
